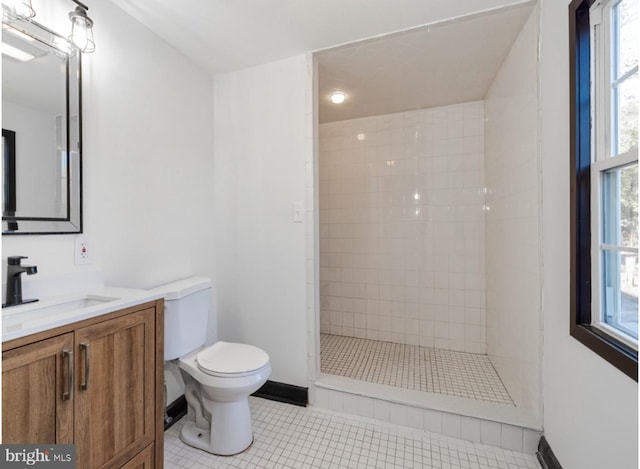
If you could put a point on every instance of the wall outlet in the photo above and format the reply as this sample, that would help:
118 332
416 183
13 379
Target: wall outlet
82 251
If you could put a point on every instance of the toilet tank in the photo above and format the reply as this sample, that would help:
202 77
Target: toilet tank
186 315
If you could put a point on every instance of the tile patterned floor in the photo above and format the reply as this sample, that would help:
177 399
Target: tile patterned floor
413 367
293 437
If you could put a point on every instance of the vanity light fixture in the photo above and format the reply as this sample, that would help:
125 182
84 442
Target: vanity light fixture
338 97
81 28
18 8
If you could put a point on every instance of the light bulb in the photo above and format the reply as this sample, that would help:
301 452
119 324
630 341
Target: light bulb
79 35
338 97
81 30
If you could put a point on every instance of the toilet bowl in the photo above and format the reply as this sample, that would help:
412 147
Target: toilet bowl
218 415
218 378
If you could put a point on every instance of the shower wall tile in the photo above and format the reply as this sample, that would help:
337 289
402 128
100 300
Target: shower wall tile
397 413
402 230
451 424
336 401
470 429
350 404
513 274
415 417
433 421
490 433
512 437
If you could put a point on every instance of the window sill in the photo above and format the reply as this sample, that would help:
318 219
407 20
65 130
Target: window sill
612 350
614 334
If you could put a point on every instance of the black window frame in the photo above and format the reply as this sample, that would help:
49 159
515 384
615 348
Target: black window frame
606 346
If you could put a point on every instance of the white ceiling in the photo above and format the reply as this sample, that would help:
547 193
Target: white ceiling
225 35
449 63
399 63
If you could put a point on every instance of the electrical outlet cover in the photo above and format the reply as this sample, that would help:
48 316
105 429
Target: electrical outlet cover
82 251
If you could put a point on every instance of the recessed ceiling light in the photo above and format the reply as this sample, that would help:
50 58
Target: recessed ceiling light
338 97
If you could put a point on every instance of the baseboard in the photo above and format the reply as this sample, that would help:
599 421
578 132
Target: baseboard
175 411
283 392
545 455
271 390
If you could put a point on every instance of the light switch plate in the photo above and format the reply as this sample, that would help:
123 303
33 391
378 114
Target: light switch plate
298 212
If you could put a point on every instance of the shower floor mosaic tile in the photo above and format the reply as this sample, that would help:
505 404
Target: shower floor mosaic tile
286 436
413 367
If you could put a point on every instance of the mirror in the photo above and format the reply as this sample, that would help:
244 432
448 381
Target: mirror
41 131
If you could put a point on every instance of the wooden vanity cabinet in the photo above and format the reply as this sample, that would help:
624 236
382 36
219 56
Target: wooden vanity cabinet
36 385
114 366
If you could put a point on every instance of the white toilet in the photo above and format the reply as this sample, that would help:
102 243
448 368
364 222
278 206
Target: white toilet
218 379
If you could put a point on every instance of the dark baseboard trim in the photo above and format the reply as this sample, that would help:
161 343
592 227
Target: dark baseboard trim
175 411
283 392
545 455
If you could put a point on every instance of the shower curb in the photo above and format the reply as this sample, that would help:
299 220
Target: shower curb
457 425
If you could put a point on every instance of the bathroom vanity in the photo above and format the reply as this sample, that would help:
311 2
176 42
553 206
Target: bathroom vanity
90 374
82 365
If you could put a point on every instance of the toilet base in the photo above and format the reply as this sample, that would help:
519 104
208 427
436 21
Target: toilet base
193 436
222 428
218 412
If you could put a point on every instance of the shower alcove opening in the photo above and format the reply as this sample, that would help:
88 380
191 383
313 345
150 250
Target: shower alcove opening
428 229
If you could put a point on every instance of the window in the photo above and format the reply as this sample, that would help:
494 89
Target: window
605 91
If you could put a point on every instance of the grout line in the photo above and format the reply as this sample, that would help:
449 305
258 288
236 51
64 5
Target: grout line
287 436
426 369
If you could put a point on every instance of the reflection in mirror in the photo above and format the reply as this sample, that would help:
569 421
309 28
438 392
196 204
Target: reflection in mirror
41 130
9 171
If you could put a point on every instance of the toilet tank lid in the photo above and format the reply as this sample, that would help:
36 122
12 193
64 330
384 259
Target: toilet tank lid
181 288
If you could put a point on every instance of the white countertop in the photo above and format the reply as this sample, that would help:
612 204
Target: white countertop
23 320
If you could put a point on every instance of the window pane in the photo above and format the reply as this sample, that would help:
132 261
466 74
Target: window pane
620 206
626 115
620 261
625 19
620 291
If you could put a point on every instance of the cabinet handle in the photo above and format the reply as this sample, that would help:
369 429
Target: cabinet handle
85 346
67 394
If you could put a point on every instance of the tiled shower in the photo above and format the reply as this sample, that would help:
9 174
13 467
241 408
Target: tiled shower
402 228
429 248
402 243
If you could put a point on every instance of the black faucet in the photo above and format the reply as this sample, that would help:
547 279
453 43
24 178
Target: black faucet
14 280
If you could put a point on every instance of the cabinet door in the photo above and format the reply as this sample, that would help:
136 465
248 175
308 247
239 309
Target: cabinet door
115 396
142 460
37 385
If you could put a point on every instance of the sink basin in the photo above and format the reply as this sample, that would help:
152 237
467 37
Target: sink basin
59 305
56 306
76 304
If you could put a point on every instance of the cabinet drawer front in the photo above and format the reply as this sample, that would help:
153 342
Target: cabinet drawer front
34 379
115 363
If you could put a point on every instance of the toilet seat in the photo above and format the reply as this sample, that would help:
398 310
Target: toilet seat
231 360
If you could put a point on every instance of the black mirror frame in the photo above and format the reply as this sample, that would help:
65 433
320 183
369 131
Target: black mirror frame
72 222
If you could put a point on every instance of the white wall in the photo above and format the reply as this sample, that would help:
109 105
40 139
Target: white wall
149 217
590 408
39 164
513 222
148 161
260 124
402 227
